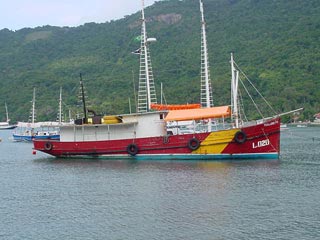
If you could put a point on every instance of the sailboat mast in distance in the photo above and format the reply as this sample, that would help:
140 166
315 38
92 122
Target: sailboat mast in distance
7 114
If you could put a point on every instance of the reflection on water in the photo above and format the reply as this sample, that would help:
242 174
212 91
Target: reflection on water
167 165
51 198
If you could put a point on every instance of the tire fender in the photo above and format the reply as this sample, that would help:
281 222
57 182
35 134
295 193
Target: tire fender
240 137
48 146
193 144
132 149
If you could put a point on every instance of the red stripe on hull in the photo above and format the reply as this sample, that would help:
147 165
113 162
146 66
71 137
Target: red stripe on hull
152 145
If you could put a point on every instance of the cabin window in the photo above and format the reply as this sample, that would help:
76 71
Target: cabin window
161 116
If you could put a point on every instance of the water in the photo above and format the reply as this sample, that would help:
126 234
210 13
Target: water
47 198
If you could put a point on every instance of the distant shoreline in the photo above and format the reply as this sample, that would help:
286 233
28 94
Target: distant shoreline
307 124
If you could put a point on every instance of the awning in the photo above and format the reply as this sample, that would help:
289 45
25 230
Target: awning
160 107
198 114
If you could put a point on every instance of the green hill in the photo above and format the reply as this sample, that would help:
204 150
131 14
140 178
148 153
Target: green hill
276 43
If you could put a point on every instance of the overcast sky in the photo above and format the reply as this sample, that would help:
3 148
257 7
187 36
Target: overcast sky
17 14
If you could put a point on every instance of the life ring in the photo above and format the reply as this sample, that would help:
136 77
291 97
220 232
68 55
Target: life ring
193 144
240 137
132 149
48 146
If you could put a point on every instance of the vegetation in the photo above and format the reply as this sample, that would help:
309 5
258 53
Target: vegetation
275 42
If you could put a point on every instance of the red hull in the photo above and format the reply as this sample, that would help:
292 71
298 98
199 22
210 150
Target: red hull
260 140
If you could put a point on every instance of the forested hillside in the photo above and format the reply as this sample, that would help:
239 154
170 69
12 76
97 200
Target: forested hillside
276 42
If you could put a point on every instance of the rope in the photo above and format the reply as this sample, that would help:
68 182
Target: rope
269 140
265 100
241 104
251 98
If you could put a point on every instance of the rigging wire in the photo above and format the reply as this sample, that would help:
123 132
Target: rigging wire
256 106
265 100
241 104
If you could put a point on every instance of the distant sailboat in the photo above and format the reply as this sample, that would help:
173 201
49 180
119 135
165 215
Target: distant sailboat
6 125
27 131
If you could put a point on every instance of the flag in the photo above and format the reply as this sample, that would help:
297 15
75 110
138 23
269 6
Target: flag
137 38
138 51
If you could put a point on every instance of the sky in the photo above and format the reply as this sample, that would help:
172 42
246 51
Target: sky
18 14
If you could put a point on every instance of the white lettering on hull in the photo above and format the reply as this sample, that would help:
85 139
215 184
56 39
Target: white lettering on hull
271 123
261 143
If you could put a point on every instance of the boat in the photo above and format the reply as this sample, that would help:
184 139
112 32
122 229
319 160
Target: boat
6 125
27 131
302 125
283 127
172 133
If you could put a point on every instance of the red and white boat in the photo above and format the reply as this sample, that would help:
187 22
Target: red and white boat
203 133
144 136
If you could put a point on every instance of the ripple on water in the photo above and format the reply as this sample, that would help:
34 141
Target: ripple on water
46 198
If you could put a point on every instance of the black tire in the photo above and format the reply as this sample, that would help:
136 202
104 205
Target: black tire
193 144
240 137
132 149
48 146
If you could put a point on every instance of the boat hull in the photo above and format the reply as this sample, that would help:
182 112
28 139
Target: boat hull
7 127
29 138
258 141
21 138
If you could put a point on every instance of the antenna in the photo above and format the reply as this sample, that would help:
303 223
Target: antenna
134 92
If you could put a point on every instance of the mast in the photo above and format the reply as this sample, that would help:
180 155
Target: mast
83 99
60 107
234 92
70 118
206 90
147 93
161 94
33 112
7 115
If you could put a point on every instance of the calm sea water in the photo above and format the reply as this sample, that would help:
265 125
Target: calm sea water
48 198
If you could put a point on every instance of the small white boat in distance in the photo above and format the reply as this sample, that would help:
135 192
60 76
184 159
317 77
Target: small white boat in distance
6 125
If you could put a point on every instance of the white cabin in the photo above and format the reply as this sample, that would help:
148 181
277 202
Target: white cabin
140 125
